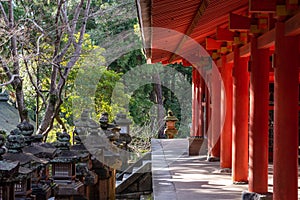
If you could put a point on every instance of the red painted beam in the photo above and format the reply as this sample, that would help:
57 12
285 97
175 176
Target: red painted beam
267 40
262 6
238 22
230 57
245 50
291 4
224 34
212 44
292 27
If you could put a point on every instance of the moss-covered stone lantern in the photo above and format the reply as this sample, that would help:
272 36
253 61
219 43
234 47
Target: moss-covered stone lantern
64 169
124 123
170 129
29 164
8 170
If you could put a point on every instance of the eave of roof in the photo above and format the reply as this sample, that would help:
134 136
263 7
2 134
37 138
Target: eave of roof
197 19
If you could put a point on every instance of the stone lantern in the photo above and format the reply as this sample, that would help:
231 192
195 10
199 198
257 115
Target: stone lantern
29 164
64 169
8 170
170 129
124 124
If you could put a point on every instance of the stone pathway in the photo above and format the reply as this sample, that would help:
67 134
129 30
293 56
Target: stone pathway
179 176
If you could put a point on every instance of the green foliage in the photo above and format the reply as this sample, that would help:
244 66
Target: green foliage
89 86
104 91
92 83
115 16
140 105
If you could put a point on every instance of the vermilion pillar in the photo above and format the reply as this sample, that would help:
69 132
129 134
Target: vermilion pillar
240 119
200 110
216 113
226 136
194 101
258 132
286 115
203 97
208 114
207 110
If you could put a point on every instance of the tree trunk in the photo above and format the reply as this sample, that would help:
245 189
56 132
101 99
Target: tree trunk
17 83
56 86
159 101
18 86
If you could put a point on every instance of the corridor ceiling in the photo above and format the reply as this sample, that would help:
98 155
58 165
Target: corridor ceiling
197 19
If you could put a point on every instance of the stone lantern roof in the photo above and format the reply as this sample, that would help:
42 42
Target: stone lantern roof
32 143
122 119
16 141
8 169
170 116
65 155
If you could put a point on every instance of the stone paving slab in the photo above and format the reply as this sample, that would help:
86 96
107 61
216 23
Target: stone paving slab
179 176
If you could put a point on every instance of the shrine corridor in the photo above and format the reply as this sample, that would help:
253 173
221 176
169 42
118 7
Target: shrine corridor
176 175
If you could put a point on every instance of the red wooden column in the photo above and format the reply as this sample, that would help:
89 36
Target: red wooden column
226 136
207 110
240 119
200 110
198 106
216 114
286 115
258 134
208 114
194 101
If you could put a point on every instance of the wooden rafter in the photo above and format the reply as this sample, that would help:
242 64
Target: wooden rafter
199 13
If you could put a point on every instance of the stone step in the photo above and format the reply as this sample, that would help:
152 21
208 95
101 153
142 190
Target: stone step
146 161
138 163
125 176
135 169
118 183
139 181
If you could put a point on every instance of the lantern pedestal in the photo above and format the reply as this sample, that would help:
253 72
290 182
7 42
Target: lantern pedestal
195 144
170 133
170 129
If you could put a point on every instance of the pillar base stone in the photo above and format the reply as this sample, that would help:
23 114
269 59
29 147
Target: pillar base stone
213 159
255 196
225 171
240 182
195 144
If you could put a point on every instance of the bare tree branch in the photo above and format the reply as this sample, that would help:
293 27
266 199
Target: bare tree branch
32 81
10 81
85 18
52 110
71 30
17 83
39 38
5 68
65 18
56 49
4 14
60 121
76 16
